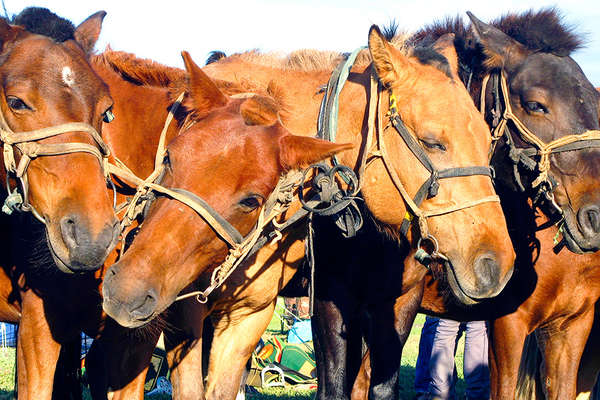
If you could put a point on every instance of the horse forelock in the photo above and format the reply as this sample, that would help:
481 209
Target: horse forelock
544 31
42 21
539 31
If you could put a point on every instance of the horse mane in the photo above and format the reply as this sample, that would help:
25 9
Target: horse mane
139 71
539 31
44 22
215 56
312 60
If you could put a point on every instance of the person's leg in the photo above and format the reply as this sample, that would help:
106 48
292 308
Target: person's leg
476 366
441 364
422 376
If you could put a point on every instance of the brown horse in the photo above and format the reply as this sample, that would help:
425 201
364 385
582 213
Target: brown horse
242 307
540 296
51 111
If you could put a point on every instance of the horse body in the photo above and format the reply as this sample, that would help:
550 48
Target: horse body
52 108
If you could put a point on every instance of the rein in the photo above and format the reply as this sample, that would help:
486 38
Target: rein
540 149
26 143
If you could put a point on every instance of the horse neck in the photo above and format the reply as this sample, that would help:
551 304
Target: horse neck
299 89
140 113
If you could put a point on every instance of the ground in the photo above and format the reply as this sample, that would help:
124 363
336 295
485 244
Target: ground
407 373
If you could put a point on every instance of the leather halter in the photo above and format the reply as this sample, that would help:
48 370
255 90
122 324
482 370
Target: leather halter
429 188
328 122
240 246
526 157
27 145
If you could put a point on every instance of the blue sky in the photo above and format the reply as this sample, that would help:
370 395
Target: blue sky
161 29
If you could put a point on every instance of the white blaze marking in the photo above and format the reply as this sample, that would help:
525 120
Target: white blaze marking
67 76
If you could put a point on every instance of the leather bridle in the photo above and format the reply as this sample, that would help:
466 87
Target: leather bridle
535 158
28 147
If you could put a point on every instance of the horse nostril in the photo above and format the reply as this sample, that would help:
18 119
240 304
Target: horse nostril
145 307
68 228
487 271
589 219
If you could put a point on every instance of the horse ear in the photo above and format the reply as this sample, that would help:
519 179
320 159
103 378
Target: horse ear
88 31
390 65
259 110
203 92
445 46
501 50
8 32
300 152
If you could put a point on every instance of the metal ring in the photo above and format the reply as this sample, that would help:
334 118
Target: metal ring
431 239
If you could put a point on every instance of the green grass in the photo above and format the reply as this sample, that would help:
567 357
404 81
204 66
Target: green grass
7 372
407 373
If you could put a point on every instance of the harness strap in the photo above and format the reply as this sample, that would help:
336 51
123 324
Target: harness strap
430 187
26 144
590 138
328 114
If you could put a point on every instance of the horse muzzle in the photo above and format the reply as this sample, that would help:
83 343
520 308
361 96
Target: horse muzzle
582 231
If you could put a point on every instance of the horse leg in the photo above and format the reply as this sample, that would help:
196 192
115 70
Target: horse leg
386 348
590 360
336 339
233 343
507 337
37 351
67 377
562 345
360 389
117 365
185 359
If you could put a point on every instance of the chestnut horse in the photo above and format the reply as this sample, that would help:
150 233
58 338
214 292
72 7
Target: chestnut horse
51 110
142 285
552 98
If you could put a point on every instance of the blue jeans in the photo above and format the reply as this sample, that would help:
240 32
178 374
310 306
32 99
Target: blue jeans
435 371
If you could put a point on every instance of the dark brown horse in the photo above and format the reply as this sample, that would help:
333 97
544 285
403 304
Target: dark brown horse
243 306
553 293
52 107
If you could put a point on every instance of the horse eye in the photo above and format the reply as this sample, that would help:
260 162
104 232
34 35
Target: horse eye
167 159
433 145
108 115
16 103
251 202
534 107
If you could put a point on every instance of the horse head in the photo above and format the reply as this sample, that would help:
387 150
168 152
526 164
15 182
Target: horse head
552 101
52 106
462 217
